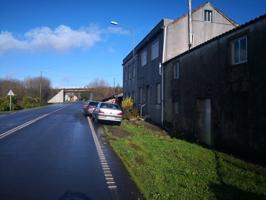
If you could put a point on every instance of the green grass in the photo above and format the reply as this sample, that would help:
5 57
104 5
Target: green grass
165 168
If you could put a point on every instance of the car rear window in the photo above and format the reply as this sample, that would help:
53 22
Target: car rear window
93 103
110 106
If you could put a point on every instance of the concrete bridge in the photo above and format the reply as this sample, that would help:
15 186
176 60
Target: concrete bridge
68 94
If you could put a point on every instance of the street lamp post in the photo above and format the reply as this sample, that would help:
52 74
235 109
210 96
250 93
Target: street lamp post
132 32
115 23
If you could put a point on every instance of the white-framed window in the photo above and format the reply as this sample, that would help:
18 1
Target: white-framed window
155 50
176 107
158 93
239 50
143 58
208 15
176 70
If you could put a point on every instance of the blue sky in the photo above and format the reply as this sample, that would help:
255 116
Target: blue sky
72 42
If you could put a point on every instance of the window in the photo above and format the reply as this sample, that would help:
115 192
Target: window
126 73
176 70
129 72
239 50
110 106
134 70
144 58
176 107
208 15
155 50
158 92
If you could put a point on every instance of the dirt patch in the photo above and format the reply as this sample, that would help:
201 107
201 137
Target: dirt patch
151 127
135 146
118 132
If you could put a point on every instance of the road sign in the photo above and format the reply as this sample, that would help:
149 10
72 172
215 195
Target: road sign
10 93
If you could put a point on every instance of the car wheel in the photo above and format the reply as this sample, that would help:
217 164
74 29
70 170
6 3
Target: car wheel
96 121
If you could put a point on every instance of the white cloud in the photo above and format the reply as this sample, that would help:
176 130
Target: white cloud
60 39
8 42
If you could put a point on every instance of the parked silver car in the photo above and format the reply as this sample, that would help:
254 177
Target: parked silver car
89 107
108 112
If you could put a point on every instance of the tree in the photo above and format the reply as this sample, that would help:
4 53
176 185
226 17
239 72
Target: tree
29 87
12 84
100 89
38 87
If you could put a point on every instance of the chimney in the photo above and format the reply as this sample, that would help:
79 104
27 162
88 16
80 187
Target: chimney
189 25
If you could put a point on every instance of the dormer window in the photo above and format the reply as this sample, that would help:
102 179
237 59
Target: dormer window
208 15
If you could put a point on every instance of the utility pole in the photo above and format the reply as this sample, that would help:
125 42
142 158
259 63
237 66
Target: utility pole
114 86
41 88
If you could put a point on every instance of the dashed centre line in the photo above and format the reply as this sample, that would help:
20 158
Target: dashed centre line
13 130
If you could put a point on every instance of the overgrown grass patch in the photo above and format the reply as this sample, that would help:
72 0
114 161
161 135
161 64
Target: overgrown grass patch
166 168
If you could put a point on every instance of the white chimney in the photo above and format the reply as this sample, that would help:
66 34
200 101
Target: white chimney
189 25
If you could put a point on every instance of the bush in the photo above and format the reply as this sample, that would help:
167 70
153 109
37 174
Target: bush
128 108
4 104
29 102
5 101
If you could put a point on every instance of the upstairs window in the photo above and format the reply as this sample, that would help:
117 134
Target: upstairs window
134 70
143 58
129 72
208 15
176 69
239 50
155 50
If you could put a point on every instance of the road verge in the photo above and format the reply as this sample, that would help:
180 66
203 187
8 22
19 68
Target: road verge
167 168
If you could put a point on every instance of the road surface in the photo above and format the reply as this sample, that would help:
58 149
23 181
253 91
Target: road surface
50 153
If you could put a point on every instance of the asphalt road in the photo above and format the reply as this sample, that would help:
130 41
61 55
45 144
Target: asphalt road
54 157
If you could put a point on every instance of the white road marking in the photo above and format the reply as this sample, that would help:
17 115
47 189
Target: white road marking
112 187
110 182
13 130
106 170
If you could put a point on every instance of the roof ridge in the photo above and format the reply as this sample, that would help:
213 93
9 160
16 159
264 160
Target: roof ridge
199 7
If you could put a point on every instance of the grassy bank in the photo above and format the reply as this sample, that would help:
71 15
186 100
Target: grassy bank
165 168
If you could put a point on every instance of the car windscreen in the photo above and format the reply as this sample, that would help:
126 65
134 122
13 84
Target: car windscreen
93 103
110 106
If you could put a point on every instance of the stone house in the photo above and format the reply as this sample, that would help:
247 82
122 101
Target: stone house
216 92
142 74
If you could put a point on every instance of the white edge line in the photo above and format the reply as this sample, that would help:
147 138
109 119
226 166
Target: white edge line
107 173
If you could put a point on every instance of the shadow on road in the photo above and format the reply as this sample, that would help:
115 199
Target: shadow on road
68 195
